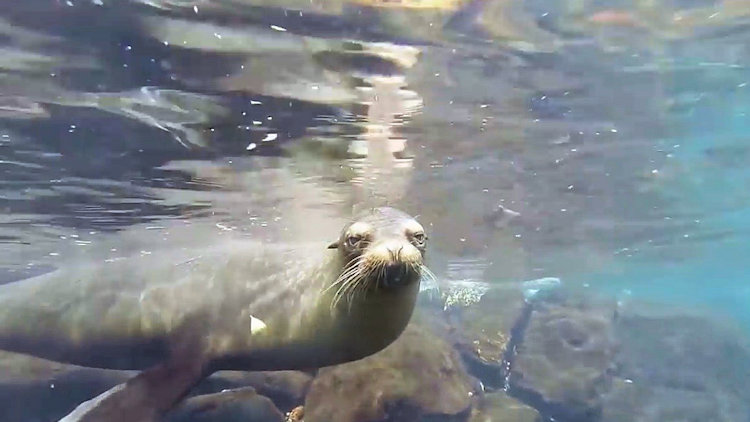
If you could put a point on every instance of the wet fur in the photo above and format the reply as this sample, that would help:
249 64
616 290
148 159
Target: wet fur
334 311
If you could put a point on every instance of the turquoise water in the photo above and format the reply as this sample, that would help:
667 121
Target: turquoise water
705 181
603 144
623 147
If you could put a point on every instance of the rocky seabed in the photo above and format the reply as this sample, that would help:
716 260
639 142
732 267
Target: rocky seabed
500 355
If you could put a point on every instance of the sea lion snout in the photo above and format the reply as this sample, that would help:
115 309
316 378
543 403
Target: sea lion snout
396 252
397 262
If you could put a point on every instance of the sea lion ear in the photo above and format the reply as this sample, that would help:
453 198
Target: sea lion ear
334 245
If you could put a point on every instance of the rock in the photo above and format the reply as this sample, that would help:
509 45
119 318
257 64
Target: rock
563 361
418 376
62 387
675 366
25 379
499 407
240 405
630 401
481 332
286 389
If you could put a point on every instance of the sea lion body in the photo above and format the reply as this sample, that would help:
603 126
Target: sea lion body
127 314
240 306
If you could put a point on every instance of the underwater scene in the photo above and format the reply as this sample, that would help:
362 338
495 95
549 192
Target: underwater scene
375 210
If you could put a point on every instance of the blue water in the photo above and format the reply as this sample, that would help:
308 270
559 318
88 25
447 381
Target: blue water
624 152
603 144
706 181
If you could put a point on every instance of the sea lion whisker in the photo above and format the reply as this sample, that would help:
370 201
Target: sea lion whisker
363 287
341 294
350 284
421 269
340 291
349 278
355 285
381 275
343 278
340 285
426 272
353 265
351 268
349 298
360 285
364 290
336 300
353 288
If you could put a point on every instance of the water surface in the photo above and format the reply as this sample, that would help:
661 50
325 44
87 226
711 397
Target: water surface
601 144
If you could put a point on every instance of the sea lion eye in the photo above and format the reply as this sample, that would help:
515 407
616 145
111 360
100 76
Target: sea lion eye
353 240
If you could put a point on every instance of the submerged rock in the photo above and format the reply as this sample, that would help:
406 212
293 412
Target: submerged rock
499 407
416 378
577 360
61 387
678 367
58 387
481 332
239 405
564 360
630 401
286 389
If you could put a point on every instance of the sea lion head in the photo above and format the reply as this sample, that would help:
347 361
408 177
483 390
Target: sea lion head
382 248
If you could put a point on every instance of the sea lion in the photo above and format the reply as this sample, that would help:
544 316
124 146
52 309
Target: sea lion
240 306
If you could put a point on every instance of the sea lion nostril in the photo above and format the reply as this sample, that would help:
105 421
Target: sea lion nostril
396 274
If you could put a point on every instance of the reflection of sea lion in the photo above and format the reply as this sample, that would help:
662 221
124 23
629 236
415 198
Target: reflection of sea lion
239 307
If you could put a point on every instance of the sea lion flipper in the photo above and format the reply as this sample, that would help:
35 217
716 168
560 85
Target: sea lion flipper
143 398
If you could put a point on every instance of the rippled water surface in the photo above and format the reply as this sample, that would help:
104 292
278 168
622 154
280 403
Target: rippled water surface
617 134
601 143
